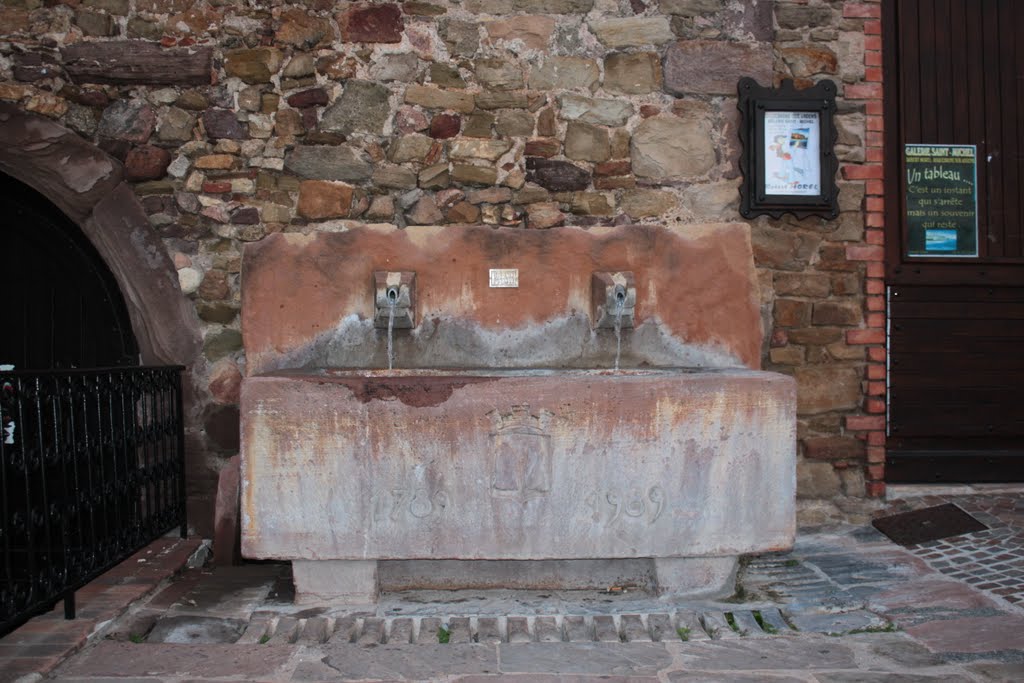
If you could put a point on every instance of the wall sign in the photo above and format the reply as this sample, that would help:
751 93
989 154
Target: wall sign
788 162
503 277
942 200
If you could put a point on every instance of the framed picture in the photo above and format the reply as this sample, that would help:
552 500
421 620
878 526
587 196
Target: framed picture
788 159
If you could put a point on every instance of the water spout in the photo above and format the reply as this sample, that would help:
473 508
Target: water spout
620 305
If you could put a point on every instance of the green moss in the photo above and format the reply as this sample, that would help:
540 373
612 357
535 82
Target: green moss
765 626
684 633
443 635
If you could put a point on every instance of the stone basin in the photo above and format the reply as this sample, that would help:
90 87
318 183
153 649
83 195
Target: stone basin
689 468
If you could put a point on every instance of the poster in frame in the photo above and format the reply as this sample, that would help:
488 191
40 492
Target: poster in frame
788 159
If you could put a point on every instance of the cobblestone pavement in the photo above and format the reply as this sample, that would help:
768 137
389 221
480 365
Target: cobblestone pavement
992 560
845 604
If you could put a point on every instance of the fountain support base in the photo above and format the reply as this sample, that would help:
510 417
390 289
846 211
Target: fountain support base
359 582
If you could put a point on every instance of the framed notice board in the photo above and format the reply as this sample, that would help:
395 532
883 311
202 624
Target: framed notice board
788 160
941 200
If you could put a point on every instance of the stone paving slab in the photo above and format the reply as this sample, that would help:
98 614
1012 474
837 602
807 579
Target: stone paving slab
765 655
931 592
733 677
585 658
996 671
111 659
866 677
837 623
972 634
554 678
401 663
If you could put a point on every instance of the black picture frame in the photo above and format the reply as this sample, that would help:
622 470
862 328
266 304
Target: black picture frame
772 183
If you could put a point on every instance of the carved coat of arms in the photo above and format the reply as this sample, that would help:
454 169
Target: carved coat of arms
521 448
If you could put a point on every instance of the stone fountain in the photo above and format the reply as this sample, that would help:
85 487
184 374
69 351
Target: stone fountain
504 450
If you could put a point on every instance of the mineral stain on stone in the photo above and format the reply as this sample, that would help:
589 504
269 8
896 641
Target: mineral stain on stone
419 392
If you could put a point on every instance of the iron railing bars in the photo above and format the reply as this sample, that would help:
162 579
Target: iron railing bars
94 471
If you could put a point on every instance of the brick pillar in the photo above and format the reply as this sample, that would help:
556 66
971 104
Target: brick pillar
871 425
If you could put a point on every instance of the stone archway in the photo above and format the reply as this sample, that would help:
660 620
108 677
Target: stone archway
88 186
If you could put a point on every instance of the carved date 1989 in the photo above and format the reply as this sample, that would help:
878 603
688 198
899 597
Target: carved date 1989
611 505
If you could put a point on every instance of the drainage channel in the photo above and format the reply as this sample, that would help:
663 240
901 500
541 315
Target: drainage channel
625 628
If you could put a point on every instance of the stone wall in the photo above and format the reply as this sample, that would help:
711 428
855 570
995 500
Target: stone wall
243 118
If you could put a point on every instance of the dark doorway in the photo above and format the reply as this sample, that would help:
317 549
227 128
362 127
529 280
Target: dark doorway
60 306
954 78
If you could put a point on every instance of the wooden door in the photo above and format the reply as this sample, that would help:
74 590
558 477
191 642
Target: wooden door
954 77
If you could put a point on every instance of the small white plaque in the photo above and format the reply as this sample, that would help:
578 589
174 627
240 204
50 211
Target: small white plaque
504 277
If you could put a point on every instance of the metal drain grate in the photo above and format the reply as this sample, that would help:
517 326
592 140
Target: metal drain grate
928 524
625 628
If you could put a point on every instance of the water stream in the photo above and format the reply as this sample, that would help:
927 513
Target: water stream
392 301
620 304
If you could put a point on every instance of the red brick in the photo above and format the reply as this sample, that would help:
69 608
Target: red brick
872 58
873 286
216 187
874 237
875 406
862 172
874 108
873 74
875 123
875 454
876 472
865 337
875 155
875 303
874 139
875 204
613 168
875 320
872 28
873 43
874 188
859 423
833 448
876 388
875 270
860 10
876 372
863 91
876 354
857 252
875 489
876 438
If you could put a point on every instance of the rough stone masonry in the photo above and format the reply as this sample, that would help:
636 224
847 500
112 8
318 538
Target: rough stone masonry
235 119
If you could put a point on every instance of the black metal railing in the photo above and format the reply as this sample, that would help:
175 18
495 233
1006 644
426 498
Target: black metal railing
92 469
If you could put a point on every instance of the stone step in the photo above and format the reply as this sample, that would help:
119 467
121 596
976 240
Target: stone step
609 628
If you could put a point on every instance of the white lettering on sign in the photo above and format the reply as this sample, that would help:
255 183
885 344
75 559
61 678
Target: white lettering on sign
504 277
